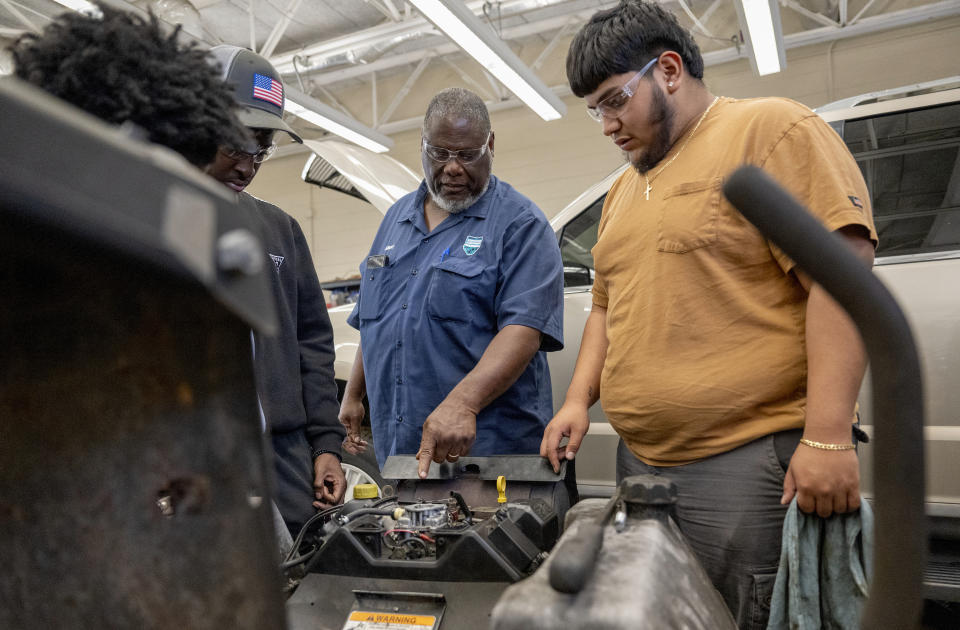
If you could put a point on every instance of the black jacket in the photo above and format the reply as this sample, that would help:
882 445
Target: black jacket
294 369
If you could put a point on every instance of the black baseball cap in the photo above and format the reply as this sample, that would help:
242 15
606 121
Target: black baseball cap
257 88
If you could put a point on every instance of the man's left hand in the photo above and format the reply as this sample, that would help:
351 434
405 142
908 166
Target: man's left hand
329 484
825 482
448 433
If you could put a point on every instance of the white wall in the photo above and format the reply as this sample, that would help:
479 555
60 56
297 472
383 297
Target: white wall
553 162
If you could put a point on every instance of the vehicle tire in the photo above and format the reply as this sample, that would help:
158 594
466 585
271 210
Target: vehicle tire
362 469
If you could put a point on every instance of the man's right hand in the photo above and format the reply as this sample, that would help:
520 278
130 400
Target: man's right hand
351 416
571 421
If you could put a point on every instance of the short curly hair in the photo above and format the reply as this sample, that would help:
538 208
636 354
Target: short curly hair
123 68
460 102
623 39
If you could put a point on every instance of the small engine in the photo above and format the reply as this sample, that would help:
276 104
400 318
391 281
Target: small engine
411 553
408 531
424 515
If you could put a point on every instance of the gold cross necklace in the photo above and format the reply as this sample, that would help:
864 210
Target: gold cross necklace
646 193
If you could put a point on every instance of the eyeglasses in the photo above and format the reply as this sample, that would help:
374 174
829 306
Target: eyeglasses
237 155
611 106
465 156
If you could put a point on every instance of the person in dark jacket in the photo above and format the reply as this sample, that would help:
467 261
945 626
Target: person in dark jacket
294 369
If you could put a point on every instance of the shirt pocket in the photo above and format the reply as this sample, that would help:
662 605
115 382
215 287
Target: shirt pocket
689 217
373 292
456 291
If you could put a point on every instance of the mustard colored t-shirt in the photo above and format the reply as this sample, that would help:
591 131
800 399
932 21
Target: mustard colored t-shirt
705 322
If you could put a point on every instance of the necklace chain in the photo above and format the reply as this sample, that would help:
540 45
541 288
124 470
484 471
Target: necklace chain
647 180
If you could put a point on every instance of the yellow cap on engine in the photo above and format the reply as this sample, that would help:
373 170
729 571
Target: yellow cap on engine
501 489
365 491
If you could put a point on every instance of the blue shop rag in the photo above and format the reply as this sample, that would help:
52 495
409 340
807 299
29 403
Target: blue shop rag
825 569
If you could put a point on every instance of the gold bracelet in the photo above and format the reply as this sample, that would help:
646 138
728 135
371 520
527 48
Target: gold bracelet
827 447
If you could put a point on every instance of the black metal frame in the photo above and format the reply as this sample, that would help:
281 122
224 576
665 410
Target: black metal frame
896 594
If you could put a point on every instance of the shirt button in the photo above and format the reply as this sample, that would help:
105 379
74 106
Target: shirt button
399 381
414 272
399 418
399 344
404 307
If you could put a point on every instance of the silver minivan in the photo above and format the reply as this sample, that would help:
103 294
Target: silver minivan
907 143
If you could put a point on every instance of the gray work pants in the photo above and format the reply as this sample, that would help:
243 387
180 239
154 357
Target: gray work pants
728 508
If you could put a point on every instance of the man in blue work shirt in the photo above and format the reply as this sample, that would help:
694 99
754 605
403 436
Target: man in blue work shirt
461 296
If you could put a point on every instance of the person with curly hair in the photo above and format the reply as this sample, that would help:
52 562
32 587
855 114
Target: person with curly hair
124 69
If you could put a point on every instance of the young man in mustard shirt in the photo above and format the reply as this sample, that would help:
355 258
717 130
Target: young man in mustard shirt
717 361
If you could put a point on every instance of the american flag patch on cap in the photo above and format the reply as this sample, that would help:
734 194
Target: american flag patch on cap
267 89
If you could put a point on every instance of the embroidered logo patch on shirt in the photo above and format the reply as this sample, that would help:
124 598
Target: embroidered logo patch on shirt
472 244
277 260
855 201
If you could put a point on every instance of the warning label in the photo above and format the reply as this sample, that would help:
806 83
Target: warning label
365 620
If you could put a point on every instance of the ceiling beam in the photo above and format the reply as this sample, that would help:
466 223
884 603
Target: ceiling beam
407 86
392 9
408 27
335 102
252 19
866 26
696 21
476 85
564 30
393 61
807 13
861 12
857 26
710 11
279 29
906 17
322 115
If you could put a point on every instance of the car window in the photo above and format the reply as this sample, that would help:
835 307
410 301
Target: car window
910 163
576 240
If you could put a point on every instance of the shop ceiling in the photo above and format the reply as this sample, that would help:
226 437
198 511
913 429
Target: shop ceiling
337 49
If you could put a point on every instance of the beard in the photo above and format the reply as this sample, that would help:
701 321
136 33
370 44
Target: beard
661 116
454 206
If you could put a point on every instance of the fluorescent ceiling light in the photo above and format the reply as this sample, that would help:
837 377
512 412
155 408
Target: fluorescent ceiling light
477 40
761 20
321 115
81 6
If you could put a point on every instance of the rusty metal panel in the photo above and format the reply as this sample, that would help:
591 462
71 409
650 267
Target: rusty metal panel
117 387
133 478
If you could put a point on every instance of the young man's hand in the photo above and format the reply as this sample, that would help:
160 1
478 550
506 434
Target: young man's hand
571 421
825 482
329 484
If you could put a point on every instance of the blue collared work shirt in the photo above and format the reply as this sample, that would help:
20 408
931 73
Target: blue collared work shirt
426 316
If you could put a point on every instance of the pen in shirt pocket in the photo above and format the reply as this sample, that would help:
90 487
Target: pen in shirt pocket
445 253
